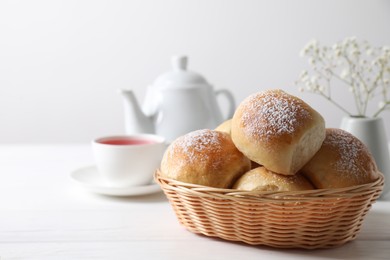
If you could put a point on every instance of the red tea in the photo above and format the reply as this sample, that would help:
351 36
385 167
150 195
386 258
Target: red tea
122 141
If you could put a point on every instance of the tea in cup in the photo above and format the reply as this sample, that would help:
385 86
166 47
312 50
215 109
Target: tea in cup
128 160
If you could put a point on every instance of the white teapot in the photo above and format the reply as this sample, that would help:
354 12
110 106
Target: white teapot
179 101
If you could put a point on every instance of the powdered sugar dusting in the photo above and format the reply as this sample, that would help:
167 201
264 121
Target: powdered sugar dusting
195 144
350 151
273 113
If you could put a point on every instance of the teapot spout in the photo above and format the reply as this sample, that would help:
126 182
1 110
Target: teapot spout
135 120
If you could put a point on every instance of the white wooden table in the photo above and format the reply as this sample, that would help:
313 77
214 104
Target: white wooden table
44 215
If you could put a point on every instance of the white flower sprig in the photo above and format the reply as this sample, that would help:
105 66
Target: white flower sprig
363 69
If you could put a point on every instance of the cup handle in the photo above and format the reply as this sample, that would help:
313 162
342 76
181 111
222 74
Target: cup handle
230 98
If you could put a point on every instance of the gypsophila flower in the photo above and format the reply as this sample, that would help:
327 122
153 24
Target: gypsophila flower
344 74
362 68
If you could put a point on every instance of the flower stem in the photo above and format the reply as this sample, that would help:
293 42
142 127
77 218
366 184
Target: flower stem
356 92
335 103
381 109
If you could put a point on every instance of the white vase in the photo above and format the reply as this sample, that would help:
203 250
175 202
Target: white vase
371 131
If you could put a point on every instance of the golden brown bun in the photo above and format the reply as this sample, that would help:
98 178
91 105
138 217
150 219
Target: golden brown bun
224 127
204 157
277 130
261 179
342 161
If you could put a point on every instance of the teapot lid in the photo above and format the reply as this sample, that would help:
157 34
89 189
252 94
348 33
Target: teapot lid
179 76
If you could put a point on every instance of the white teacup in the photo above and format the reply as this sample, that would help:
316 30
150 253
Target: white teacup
128 160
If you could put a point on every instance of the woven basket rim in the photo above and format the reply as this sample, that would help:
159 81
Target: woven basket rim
201 190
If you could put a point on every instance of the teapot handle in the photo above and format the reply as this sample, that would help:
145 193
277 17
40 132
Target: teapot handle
230 98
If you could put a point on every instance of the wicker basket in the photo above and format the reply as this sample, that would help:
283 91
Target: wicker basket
311 219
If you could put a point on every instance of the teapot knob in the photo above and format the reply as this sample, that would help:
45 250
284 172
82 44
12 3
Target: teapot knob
179 62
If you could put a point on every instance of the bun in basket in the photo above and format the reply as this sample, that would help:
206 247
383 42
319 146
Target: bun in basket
205 157
224 126
342 161
277 130
261 179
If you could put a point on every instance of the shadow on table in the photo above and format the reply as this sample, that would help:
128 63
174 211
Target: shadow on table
351 250
148 198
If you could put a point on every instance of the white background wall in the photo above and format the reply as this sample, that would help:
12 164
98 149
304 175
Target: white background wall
61 62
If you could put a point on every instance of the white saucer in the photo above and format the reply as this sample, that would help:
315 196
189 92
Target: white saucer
88 177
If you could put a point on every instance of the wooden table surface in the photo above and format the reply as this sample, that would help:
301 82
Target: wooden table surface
45 215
